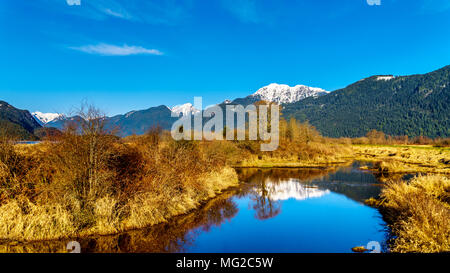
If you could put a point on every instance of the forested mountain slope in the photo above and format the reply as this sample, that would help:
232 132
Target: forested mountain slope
407 105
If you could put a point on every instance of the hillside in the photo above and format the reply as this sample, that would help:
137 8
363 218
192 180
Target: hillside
17 123
406 105
139 122
134 122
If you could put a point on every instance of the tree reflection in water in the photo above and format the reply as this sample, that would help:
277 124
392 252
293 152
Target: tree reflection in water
264 206
269 187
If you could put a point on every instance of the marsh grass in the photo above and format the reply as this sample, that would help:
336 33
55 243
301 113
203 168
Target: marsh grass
405 159
419 213
154 208
171 236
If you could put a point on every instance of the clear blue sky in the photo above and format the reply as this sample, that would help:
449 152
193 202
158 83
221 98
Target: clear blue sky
127 55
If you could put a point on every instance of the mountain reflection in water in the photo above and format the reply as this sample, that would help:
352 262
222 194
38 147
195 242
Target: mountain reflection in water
292 188
269 201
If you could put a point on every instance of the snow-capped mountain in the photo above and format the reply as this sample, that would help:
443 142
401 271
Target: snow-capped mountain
282 93
185 109
44 118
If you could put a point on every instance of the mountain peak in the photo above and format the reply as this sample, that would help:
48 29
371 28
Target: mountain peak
4 104
185 109
44 118
283 93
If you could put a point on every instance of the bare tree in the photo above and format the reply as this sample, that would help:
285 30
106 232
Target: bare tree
84 151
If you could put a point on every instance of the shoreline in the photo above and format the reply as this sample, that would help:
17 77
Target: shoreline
222 182
202 205
229 182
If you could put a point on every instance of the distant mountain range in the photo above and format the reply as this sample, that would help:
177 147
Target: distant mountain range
138 122
404 105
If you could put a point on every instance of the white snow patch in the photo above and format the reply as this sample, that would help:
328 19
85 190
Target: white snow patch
44 118
127 115
282 93
385 78
185 109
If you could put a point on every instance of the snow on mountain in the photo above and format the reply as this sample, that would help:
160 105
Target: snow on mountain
282 93
44 118
129 114
185 109
385 78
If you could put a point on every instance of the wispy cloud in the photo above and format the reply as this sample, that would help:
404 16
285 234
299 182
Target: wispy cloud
114 50
244 10
117 14
169 12
73 2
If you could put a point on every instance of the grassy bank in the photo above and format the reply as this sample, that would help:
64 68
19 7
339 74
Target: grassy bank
271 162
167 237
405 158
23 220
418 213
91 182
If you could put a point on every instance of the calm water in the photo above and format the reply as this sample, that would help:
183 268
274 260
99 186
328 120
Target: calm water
274 210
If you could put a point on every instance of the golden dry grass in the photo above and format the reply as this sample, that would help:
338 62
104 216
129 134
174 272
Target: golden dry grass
25 221
170 236
405 159
94 183
273 162
298 154
151 208
419 213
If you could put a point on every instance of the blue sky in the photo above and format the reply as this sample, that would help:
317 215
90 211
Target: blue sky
127 55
